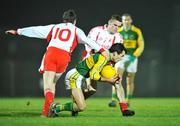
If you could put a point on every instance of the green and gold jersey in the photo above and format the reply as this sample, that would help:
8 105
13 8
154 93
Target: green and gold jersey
92 66
133 40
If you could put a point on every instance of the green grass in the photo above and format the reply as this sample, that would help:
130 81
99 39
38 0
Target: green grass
149 112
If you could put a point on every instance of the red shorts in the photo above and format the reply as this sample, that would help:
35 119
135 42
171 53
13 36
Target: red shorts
56 60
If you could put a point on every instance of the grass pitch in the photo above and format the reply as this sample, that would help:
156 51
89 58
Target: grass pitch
149 112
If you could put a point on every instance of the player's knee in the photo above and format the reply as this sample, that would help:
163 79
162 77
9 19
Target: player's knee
82 107
130 81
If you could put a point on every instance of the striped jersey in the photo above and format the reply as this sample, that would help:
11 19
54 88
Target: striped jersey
103 38
91 66
64 36
133 40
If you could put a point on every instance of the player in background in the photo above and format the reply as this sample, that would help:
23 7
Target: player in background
91 67
105 36
62 38
134 43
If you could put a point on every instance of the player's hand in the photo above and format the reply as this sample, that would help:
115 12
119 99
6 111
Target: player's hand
12 32
112 80
105 54
119 80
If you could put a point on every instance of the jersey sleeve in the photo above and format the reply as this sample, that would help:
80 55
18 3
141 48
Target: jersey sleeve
140 42
95 71
82 38
36 31
93 36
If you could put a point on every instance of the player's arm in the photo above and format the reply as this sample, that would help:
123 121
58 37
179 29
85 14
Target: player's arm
110 80
86 52
140 43
34 31
95 71
82 38
92 35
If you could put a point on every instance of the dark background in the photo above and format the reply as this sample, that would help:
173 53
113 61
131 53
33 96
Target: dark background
159 67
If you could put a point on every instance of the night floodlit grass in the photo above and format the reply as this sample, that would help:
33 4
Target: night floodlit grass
149 112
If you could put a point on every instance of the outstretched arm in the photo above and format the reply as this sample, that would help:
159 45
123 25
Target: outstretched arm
13 32
34 31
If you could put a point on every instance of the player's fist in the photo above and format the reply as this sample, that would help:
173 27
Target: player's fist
104 53
110 80
12 32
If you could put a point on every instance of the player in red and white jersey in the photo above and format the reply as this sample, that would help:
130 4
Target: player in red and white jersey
105 36
62 38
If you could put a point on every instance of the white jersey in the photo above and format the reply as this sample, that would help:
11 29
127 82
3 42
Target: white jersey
64 36
103 38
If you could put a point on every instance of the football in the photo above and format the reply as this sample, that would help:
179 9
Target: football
108 71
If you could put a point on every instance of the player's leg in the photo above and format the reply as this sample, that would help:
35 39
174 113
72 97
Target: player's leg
131 69
122 102
114 93
73 81
130 86
49 90
79 99
78 104
112 103
55 63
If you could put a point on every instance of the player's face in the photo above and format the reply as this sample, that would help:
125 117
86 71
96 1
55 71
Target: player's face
127 21
116 57
113 26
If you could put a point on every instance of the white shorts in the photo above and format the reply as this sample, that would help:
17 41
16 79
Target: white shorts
73 79
127 65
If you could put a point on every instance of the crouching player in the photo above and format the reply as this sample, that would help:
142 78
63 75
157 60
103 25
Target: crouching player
91 67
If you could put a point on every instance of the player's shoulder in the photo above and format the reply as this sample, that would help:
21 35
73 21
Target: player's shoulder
135 28
120 29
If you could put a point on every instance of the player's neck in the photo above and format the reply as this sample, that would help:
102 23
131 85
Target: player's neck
126 28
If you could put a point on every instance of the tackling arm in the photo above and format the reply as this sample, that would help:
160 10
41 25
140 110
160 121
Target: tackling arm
82 38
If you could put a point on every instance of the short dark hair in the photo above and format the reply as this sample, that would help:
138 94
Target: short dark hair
69 16
116 17
117 47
